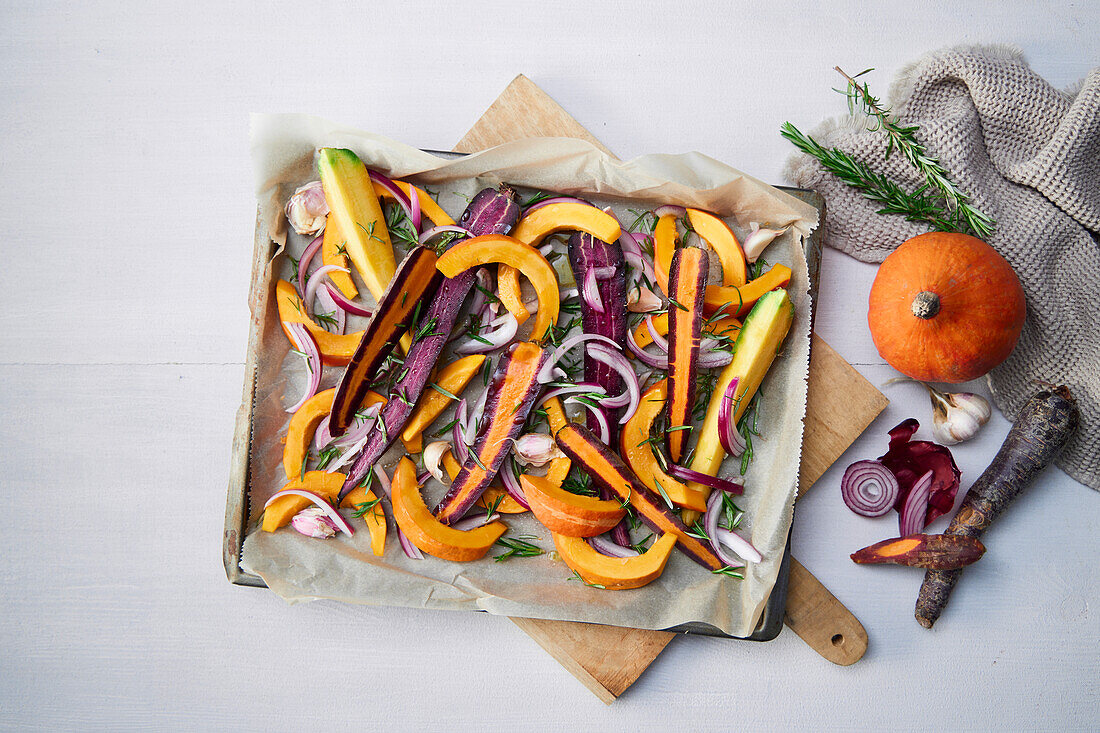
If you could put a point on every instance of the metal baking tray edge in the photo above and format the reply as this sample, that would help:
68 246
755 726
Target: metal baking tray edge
237 503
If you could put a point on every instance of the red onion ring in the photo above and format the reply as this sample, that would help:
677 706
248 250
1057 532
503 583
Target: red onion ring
306 344
915 509
601 419
327 304
606 546
661 341
304 261
427 234
383 481
650 360
604 273
714 482
547 371
321 502
506 329
869 488
314 282
414 209
590 291
345 303
577 388
511 483
458 439
739 545
721 538
554 200
393 190
475 521
731 440
669 210
633 392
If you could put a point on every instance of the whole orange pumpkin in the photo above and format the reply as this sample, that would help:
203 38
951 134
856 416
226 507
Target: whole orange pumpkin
945 307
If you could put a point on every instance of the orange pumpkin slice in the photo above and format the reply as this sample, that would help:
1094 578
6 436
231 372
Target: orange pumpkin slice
332 253
558 469
498 248
426 532
335 348
428 206
538 225
305 421
614 573
723 241
727 327
738 301
570 514
609 471
325 484
453 378
639 456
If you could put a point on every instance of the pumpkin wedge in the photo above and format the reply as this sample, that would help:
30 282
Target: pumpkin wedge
358 215
512 393
427 532
614 573
453 378
725 327
753 353
738 301
305 421
493 496
638 454
567 513
558 470
325 484
723 241
609 471
416 280
333 247
502 249
335 348
664 244
428 206
538 225
688 283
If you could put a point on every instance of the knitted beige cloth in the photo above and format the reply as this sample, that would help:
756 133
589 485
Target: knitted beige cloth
1029 156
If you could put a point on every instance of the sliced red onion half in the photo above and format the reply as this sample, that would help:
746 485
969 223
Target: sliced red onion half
483 284
511 483
314 282
731 440
721 484
505 329
590 291
632 395
473 522
915 509
606 546
414 209
304 342
427 234
304 261
661 341
361 427
669 210
578 388
393 190
601 419
326 304
547 372
650 360
721 539
554 200
345 303
321 502
870 489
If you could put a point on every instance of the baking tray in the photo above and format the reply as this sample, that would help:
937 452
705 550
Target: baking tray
237 510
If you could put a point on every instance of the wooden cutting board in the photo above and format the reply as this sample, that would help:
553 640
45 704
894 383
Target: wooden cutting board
840 406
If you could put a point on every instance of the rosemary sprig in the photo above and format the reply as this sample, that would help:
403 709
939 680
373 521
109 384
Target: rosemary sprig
518 547
362 508
577 576
903 139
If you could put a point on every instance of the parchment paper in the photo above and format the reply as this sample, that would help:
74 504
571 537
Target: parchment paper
299 568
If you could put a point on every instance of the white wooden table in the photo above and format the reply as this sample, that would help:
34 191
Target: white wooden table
127 217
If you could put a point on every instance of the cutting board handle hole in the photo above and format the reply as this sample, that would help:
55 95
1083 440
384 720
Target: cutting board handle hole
837 639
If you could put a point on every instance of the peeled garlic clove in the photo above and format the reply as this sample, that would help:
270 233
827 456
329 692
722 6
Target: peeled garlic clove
536 449
433 454
758 240
306 210
641 299
312 522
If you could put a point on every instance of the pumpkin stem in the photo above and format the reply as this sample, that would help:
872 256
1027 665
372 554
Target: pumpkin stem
926 305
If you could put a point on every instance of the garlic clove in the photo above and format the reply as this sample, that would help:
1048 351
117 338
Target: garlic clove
307 208
312 522
641 299
433 455
758 240
536 449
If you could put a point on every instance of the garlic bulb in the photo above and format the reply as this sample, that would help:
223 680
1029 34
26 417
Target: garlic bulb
312 522
536 449
758 240
306 210
957 416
